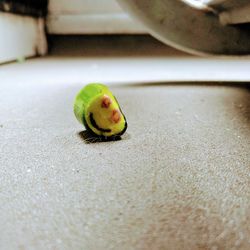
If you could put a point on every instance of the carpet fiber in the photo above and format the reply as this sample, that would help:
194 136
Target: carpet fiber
179 178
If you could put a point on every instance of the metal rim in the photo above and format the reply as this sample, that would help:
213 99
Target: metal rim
188 29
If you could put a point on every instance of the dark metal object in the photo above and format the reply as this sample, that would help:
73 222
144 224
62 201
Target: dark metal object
37 8
189 29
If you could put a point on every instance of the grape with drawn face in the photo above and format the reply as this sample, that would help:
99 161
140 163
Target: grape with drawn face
97 108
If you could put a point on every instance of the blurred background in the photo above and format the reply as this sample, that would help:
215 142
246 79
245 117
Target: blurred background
102 28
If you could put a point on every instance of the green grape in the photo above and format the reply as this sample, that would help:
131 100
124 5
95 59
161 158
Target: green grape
98 110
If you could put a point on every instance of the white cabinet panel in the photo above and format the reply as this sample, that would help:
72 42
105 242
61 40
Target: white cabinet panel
21 37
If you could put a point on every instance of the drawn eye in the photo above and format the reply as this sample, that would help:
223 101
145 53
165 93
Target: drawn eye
116 116
106 101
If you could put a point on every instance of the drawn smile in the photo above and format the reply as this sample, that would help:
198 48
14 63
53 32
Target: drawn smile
95 125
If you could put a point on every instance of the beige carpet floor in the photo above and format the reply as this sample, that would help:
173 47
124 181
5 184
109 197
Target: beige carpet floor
178 179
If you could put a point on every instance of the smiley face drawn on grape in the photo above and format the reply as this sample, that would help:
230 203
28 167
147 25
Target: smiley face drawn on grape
97 108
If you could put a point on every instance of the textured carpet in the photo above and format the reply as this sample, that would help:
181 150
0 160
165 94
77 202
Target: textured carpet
179 178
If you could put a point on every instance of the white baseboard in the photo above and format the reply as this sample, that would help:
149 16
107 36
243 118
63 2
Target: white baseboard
119 23
76 7
90 17
21 37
